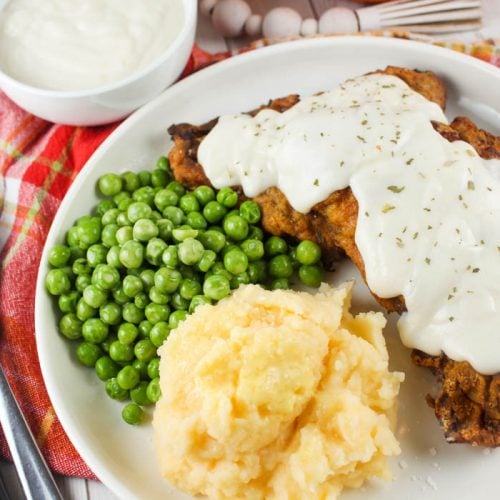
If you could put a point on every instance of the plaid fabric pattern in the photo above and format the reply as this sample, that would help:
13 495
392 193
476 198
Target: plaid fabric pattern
38 162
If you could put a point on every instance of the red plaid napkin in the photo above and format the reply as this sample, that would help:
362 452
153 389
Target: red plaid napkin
38 162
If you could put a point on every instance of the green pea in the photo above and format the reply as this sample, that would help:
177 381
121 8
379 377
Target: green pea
88 354
189 203
131 181
128 377
308 252
88 232
154 251
96 254
163 164
196 220
145 350
159 333
198 300
280 284
159 178
127 333
250 211
132 285
82 281
145 177
275 246
110 217
84 311
254 249
138 210
165 198
123 221
189 288
174 214
240 279
106 277
141 300
94 296
236 261
144 328
257 271
57 282
144 230
145 194
227 197
132 254
165 228
177 187
176 318
94 330
184 232
121 353
106 368
108 235
59 255
132 414
132 313
110 184
119 197
255 233
148 278
207 260
214 212
67 301
167 280
178 302
190 251
106 343
157 312
154 367
81 266
104 206
311 275
216 287
113 257
236 227
70 326
281 266
153 391
110 313
114 391
72 237
139 394
204 194
142 368
119 296
158 297
213 240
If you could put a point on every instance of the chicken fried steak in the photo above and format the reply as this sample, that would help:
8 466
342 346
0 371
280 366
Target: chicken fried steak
468 403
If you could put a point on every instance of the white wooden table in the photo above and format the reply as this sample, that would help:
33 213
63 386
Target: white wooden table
208 39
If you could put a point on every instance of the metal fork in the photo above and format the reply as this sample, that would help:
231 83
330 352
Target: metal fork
34 475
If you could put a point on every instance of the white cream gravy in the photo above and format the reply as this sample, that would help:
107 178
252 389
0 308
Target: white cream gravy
429 210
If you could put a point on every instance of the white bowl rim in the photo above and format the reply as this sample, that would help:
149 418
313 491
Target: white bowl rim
93 461
190 10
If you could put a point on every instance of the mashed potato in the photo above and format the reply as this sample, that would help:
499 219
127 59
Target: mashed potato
276 394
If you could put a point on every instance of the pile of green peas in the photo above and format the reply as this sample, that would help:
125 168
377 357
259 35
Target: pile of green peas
151 253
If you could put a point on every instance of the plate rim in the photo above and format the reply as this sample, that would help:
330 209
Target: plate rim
94 462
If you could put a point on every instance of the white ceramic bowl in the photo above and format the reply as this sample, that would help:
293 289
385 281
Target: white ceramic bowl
113 101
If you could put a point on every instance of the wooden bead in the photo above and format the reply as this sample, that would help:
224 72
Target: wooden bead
338 20
206 6
229 17
309 27
253 25
281 22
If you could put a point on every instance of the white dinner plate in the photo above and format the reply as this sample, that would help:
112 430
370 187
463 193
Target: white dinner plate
122 456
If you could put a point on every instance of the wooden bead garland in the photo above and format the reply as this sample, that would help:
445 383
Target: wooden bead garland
232 18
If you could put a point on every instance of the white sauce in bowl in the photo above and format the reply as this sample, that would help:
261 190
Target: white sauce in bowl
81 45
429 210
